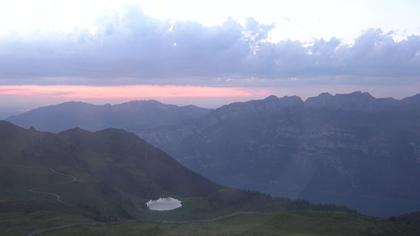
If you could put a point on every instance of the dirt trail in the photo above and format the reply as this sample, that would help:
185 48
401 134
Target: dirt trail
72 178
56 195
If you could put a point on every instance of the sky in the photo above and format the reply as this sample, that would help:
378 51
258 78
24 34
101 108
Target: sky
204 52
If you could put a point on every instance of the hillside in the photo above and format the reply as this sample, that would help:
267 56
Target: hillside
111 171
412 218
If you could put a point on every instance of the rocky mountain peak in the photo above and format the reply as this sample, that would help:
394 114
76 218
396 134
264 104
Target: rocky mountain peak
352 101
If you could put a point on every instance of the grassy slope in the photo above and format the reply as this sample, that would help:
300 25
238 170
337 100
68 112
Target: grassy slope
18 223
291 223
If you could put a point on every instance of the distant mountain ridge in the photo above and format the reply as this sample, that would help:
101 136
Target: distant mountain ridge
148 114
131 116
360 101
353 101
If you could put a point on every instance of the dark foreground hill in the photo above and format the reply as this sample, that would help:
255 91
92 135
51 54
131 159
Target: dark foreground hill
111 170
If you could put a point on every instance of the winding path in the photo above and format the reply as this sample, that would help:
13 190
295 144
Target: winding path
56 195
72 178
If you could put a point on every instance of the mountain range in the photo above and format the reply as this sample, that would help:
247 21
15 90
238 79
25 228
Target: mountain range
351 149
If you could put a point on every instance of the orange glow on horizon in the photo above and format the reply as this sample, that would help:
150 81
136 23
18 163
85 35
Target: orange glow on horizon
129 91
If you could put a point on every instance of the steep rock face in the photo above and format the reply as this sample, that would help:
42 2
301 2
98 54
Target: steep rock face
268 105
350 149
359 101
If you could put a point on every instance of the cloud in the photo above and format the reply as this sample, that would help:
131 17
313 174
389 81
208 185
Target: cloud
136 49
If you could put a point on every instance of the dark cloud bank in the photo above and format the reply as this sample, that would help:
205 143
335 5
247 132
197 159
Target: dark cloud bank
134 48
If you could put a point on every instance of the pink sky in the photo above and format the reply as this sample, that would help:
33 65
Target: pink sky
18 98
129 92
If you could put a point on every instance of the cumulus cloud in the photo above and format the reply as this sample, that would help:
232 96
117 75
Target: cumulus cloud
134 48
